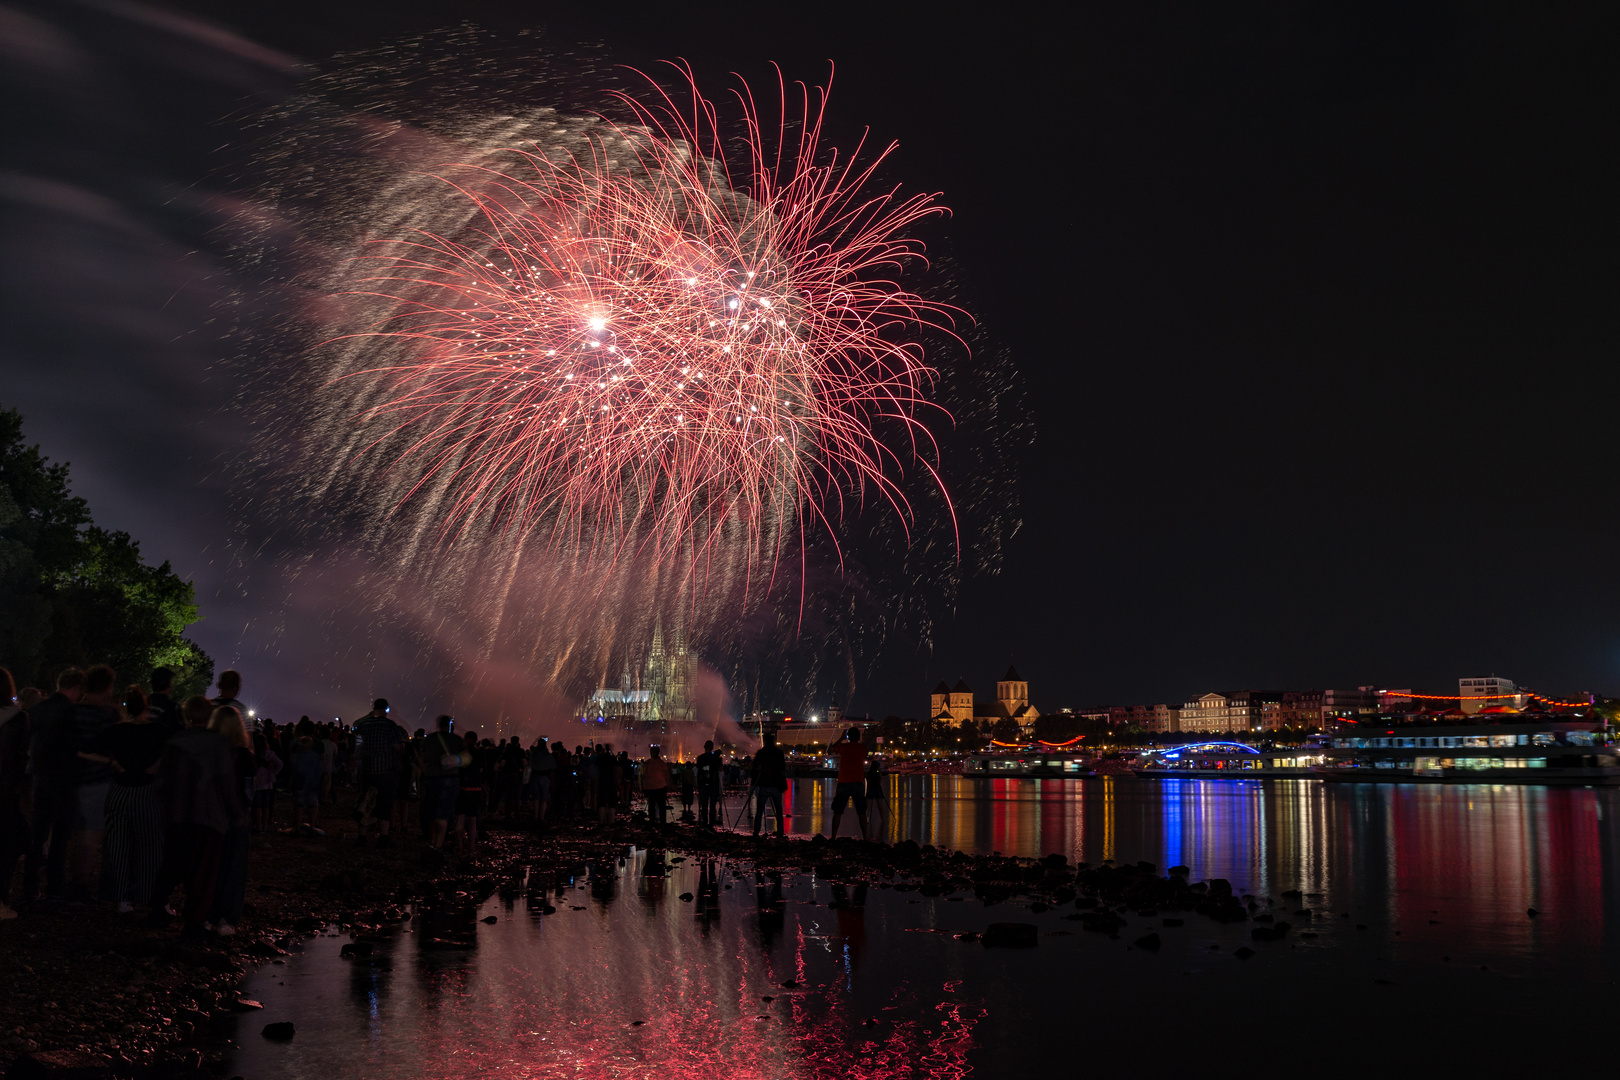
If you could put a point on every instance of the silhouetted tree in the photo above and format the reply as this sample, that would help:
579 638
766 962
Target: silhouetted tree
74 593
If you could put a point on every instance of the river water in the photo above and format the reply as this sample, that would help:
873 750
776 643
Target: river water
1420 949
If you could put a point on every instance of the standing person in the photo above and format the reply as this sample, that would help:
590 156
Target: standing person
586 765
470 800
230 890
688 789
326 743
607 785
851 757
708 785
562 779
510 761
655 785
306 787
410 783
53 773
440 756
197 787
542 764
877 789
770 781
161 709
135 825
378 742
14 723
96 711
627 779
264 780
230 685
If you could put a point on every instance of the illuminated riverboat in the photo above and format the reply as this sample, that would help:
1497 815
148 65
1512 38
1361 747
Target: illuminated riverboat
1229 761
1546 751
1037 762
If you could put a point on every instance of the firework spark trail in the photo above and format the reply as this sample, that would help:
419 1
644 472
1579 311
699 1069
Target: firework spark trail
636 347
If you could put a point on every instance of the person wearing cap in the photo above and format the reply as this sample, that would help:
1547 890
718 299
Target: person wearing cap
377 742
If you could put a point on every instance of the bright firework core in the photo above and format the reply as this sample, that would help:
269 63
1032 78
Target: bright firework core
645 345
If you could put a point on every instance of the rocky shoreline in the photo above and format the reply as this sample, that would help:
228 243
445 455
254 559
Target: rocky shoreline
88 993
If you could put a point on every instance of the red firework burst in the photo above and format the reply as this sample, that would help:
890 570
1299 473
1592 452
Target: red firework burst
656 344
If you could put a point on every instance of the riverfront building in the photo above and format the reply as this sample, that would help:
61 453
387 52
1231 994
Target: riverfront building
954 705
1490 691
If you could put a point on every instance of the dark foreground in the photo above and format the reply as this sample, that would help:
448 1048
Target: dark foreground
607 957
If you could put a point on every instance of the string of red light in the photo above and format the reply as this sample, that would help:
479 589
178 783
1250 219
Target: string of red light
1485 697
1043 742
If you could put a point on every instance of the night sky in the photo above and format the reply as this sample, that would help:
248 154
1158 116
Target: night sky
1314 312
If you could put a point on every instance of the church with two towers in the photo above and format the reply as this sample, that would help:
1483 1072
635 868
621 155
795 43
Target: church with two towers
954 705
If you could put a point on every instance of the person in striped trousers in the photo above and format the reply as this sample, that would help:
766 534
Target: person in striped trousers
133 848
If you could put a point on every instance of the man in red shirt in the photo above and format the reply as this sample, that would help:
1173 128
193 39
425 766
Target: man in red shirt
851 757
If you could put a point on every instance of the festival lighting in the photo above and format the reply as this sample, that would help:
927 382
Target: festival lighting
1488 697
669 344
1172 752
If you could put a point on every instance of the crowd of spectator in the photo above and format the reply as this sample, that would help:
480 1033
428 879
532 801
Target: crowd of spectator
127 797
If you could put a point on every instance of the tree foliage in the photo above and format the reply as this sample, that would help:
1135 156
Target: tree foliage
75 593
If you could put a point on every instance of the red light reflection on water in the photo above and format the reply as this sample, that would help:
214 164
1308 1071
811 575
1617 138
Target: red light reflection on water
1473 858
637 984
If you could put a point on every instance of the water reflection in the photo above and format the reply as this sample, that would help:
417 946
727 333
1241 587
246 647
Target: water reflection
1420 857
619 987
658 964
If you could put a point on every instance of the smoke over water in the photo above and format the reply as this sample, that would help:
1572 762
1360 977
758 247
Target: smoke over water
505 601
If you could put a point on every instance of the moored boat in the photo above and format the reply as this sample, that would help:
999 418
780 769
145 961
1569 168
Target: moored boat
1017 762
1531 751
1229 761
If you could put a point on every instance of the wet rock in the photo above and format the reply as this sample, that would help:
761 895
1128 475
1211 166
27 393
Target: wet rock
245 1004
354 949
1532 912
59 1065
1150 942
282 1031
1244 953
686 898
1011 935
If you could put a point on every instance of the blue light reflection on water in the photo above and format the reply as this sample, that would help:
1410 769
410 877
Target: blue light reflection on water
1440 860
1439 877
